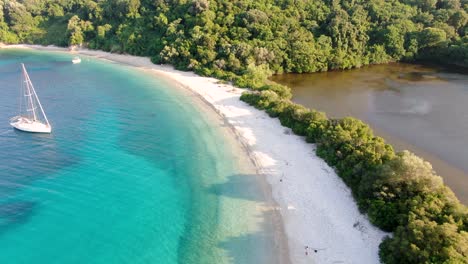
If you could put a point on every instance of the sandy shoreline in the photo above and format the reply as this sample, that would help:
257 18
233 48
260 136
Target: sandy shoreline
317 208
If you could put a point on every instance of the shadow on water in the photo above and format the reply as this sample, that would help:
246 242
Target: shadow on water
20 167
263 246
260 243
27 157
240 186
15 213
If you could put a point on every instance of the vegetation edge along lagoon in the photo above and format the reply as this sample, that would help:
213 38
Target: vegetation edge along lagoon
406 104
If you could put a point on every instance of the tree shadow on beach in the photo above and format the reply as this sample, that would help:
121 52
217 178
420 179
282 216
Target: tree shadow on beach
242 186
266 245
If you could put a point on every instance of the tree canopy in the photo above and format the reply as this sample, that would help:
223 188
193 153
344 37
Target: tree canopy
225 37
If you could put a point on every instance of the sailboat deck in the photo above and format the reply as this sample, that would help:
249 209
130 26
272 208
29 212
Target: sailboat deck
25 124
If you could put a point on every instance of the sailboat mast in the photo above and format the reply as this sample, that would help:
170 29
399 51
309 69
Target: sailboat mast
31 88
29 93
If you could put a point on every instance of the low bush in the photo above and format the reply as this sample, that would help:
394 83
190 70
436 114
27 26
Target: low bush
283 91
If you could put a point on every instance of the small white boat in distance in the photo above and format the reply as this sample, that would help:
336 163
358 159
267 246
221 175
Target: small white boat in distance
31 120
76 60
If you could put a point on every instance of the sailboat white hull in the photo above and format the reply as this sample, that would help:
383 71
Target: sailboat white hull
25 124
31 121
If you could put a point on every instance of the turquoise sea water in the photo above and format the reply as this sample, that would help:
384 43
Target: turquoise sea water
132 173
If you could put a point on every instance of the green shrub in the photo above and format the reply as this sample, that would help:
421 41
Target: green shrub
254 76
267 99
283 91
402 185
278 107
294 117
316 128
425 241
250 98
350 146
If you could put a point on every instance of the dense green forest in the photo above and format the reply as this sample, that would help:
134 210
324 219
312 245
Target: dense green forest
222 37
246 41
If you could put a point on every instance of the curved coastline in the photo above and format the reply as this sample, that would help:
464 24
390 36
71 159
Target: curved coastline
316 207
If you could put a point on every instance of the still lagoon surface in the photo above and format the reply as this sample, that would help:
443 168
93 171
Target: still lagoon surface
132 172
420 108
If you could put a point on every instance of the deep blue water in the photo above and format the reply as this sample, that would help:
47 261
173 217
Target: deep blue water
132 173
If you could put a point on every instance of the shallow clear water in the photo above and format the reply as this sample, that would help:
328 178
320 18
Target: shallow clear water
413 107
132 173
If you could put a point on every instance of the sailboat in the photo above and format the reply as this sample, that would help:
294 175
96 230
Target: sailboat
30 120
76 60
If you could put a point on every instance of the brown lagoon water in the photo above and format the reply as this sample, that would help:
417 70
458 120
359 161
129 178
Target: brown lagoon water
420 108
